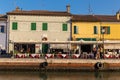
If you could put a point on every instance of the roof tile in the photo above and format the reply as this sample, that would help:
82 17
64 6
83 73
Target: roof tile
95 18
39 12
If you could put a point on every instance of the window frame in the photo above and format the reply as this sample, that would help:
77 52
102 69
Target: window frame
33 26
44 26
95 30
107 29
14 26
75 29
64 27
2 29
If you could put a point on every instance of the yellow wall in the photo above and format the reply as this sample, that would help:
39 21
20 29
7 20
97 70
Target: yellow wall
86 30
114 30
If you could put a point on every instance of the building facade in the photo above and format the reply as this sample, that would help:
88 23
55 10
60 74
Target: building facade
3 38
28 28
91 27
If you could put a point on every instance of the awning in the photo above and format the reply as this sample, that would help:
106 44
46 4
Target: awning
112 46
86 39
60 46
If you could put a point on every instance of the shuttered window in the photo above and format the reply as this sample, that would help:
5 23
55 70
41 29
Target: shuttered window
14 26
33 26
106 28
44 26
75 30
64 27
95 30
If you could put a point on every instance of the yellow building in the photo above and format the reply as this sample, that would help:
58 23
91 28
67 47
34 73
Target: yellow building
96 28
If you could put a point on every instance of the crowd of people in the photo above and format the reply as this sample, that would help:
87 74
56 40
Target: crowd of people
98 52
101 53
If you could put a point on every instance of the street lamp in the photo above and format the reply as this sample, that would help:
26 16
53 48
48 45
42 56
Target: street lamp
103 32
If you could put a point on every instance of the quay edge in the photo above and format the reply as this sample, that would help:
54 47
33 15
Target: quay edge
59 64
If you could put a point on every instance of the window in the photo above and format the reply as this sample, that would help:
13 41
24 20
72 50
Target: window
14 26
106 28
2 30
44 26
64 27
26 48
95 30
75 30
33 26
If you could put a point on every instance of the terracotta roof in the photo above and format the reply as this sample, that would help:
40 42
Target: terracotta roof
107 18
83 18
3 17
39 12
95 18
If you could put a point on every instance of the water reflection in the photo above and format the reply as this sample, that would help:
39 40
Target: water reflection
14 75
43 76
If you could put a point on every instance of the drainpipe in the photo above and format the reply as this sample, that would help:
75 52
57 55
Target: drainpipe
7 34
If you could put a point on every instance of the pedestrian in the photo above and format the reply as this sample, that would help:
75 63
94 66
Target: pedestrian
94 52
98 54
101 52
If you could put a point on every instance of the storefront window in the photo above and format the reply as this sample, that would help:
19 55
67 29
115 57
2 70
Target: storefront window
24 48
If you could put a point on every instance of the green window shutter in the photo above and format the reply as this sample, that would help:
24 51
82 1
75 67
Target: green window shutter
95 30
14 26
108 30
64 27
44 26
33 26
75 29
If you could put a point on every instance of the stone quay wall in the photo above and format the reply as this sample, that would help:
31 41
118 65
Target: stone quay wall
59 64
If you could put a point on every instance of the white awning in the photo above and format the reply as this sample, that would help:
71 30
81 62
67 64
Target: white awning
112 46
60 46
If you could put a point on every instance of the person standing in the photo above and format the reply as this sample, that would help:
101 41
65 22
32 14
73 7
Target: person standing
101 53
98 54
94 52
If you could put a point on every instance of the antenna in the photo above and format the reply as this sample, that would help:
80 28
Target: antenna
113 11
90 9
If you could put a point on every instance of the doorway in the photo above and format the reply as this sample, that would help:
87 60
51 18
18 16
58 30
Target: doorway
86 48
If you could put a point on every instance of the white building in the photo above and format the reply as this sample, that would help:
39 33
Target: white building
28 27
3 41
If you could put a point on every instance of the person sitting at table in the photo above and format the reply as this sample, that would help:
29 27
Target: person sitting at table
22 50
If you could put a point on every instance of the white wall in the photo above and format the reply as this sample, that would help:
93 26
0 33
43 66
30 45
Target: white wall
3 36
24 33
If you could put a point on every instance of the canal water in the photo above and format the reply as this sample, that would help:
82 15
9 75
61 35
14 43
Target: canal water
15 75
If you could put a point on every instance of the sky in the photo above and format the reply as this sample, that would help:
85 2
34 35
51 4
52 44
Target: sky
98 7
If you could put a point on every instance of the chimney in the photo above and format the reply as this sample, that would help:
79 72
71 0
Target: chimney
17 9
118 15
68 8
